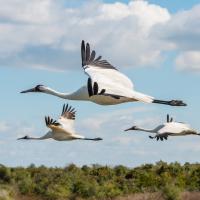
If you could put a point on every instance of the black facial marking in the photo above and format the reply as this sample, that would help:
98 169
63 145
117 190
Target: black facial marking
37 88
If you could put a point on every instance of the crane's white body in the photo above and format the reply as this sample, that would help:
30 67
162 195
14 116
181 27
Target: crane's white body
175 129
106 85
82 94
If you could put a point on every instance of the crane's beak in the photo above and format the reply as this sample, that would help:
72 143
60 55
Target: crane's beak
23 138
129 129
30 90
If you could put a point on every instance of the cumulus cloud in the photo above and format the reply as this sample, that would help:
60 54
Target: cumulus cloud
182 34
189 60
110 120
48 33
10 130
4 127
183 30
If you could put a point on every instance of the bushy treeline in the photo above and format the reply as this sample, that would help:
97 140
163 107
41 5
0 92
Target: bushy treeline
101 182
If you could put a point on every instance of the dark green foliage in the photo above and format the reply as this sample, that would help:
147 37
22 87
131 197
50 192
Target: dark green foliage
102 182
5 174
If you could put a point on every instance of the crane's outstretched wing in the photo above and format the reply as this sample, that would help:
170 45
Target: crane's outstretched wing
52 124
67 118
65 123
107 78
98 68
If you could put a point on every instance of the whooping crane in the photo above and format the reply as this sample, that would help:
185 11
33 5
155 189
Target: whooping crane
170 128
105 85
63 128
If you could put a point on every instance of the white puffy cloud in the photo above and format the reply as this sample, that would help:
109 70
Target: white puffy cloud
48 33
4 127
14 130
182 34
188 60
182 30
109 121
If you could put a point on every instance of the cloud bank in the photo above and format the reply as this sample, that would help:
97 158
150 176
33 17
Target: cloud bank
46 34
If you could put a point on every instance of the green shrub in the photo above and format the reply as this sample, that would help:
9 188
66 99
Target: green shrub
5 175
171 192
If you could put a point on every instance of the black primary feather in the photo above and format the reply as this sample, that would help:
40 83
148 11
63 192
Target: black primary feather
93 54
167 118
89 58
50 121
102 92
83 55
87 52
68 112
89 86
95 88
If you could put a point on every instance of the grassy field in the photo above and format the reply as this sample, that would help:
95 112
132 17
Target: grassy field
160 181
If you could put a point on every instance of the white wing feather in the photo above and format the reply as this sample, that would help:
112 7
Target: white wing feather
67 124
108 77
174 127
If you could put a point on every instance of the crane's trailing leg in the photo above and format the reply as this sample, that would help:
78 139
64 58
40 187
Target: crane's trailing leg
170 103
94 139
158 137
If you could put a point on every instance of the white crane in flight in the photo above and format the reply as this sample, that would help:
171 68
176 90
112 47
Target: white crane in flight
170 128
63 128
105 85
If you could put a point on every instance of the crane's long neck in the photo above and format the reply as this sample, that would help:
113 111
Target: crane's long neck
146 130
44 137
80 94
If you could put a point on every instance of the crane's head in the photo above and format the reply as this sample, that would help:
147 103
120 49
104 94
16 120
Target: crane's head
26 137
38 88
132 128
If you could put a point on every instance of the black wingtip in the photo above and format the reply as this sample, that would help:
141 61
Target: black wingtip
167 118
83 53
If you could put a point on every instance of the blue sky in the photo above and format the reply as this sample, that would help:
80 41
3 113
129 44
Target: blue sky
155 43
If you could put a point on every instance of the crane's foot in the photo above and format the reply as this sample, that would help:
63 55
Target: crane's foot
177 103
170 103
